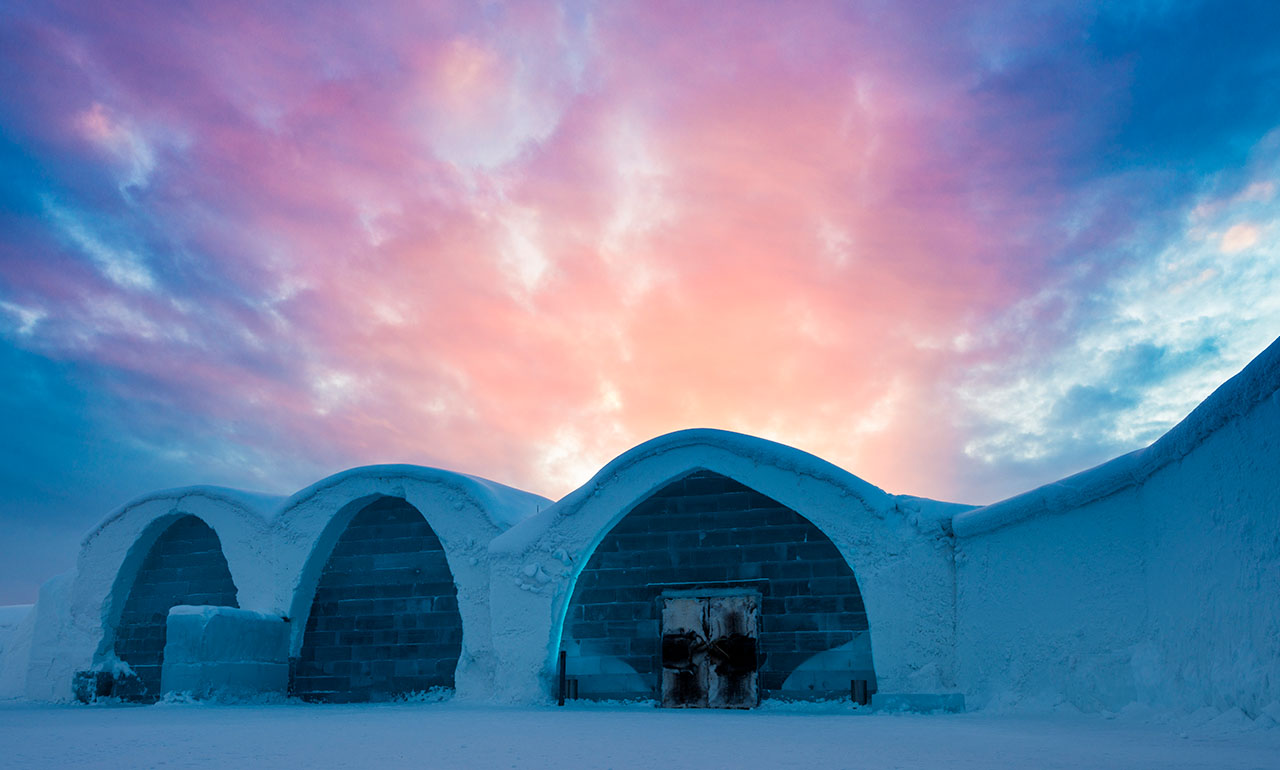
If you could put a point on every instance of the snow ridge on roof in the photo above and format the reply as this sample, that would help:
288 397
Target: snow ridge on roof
503 505
1258 381
260 505
927 515
759 449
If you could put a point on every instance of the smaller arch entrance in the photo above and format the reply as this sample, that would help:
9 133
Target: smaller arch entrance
384 620
184 566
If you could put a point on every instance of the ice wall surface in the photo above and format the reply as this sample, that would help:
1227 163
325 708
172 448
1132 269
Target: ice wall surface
224 651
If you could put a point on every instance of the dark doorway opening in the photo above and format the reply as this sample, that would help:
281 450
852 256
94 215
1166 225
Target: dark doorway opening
184 566
384 621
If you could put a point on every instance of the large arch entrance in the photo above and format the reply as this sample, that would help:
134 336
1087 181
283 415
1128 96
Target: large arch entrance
184 566
708 574
384 620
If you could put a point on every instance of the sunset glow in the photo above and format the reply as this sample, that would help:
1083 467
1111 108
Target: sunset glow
957 251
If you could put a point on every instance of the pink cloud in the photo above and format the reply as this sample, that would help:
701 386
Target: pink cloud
448 236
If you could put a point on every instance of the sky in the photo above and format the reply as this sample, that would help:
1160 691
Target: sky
958 249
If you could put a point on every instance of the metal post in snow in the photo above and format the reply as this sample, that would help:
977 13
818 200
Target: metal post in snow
561 688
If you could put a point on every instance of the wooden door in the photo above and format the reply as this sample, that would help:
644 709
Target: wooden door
684 653
731 652
709 651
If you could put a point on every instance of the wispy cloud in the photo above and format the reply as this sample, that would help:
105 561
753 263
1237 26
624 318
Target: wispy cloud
26 318
1141 347
122 266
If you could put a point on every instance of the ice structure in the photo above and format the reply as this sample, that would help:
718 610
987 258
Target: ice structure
1152 579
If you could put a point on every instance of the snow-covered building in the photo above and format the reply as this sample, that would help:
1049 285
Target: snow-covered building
371 581
702 568
813 551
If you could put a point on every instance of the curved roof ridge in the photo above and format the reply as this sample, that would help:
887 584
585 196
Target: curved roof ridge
505 505
925 514
776 454
258 505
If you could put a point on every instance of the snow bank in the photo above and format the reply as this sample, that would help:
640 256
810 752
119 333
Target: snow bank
898 548
10 616
1150 579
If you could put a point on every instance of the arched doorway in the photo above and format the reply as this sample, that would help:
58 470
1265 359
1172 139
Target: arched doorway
184 566
707 573
384 620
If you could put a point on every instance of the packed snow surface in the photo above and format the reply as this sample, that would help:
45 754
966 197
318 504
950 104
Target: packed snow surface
451 735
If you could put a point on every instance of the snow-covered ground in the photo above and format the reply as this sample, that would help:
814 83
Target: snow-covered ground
453 735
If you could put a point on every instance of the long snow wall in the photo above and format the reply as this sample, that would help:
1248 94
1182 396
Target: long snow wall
1154 578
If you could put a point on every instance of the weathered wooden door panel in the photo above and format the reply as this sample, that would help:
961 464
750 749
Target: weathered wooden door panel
732 631
709 651
684 653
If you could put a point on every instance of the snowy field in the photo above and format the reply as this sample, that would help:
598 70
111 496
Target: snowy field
450 735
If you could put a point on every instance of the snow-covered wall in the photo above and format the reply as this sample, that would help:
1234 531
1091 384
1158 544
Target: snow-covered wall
52 641
1152 578
898 549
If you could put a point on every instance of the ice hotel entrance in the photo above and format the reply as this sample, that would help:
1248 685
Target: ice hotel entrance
710 594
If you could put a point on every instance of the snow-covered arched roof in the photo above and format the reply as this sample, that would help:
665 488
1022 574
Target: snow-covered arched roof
897 546
752 461
259 506
112 553
503 505
465 512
